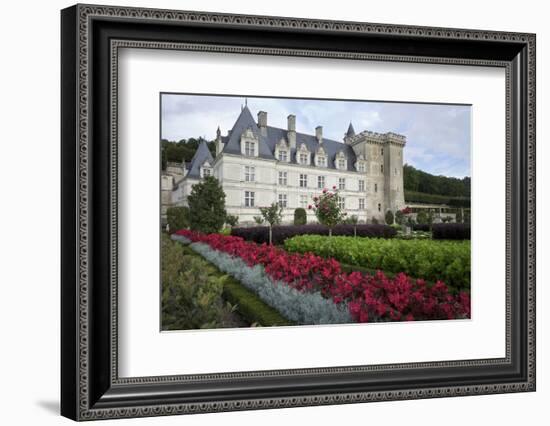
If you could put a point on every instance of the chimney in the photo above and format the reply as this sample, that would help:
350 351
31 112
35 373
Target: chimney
262 122
319 133
291 127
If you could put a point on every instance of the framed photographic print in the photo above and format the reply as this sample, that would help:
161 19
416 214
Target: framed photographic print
264 212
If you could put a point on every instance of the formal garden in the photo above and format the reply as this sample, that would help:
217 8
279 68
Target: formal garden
218 274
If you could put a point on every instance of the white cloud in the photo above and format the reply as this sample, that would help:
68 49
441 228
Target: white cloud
438 136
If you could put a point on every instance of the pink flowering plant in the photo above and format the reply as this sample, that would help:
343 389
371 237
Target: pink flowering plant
327 209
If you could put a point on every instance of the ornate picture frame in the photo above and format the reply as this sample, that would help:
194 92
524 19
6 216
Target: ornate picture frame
91 38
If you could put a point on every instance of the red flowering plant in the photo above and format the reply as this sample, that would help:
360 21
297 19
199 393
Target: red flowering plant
327 209
369 298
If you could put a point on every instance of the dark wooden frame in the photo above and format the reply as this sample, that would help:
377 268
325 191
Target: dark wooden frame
90 386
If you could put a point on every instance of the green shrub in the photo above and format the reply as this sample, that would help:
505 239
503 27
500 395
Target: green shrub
231 220
191 293
448 261
259 220
300 216
177 218
389 217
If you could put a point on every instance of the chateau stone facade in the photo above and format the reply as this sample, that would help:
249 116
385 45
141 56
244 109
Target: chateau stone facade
258 164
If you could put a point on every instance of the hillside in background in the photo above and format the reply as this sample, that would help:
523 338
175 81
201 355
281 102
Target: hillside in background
183 150
425 188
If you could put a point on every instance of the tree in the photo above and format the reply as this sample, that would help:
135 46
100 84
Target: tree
207 206
353 220
327 209
300 216
177 218
389 217
273 216
232 220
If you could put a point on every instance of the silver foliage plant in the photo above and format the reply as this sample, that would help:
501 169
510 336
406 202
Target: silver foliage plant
303 308
181 239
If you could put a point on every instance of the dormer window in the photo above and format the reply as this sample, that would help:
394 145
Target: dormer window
321 157
341 161
249 148
206 170
302 156
282 152
249 144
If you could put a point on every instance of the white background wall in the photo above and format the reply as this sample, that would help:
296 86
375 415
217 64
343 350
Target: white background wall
29 225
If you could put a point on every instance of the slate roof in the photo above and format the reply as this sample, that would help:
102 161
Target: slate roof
202 155
274 135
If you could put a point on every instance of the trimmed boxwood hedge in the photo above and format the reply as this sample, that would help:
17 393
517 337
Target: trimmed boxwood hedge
260 234
250 307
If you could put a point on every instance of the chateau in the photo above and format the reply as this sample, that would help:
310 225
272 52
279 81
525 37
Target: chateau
258 164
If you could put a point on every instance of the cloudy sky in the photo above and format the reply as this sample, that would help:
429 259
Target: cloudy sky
438 136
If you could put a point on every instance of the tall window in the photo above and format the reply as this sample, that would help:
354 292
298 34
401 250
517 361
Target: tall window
342 203
303 181
282 200
249 174
361 204
375 187
381 151
381 168
320 182
250 148
303 158
283 178
303 201
322 161
206 171
283 155
361 185
361 167
379 207
249 199
341 163
341 183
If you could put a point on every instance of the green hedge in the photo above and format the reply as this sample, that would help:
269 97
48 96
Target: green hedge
448 261
250 307
424 198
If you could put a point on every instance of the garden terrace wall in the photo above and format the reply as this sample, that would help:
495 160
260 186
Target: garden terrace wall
260 234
